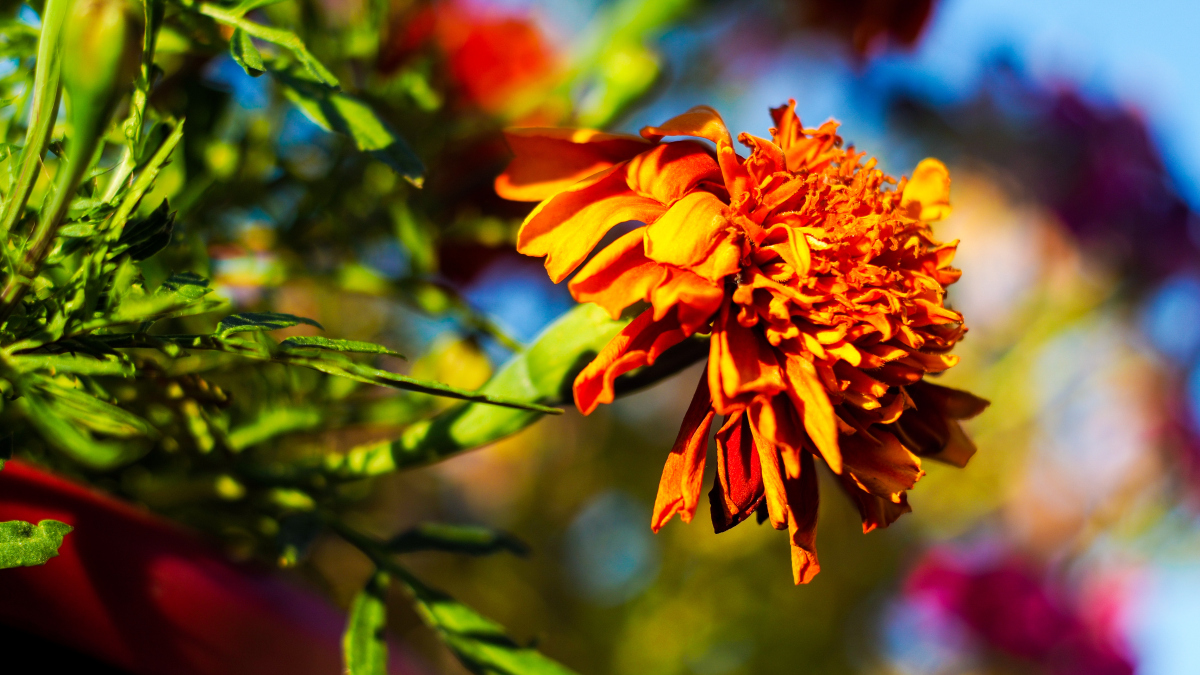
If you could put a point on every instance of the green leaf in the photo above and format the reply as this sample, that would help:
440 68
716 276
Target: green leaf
145 237
242 48
24 544
340 112
79 364
260 322
272 423
465 539
277 36
479 643
364 646
180 295
352 346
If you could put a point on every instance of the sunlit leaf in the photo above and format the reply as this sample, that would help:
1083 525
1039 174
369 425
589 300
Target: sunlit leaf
242 48
352 346
24 544
364 647
260 322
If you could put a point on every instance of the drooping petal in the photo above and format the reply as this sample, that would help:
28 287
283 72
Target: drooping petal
679 489
885 468
738 488
952 403
671 170
876 512
812 400
566 227
928 189
638 344
694 298
802 503
775 494
548 161
741 364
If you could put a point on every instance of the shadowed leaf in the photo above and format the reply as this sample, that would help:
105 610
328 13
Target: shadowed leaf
24 544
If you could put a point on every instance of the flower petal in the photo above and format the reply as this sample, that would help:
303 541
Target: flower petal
705 122
679 489
928 191
638 344
738 488
875 511
811 399
671 170
619 275
741 364
885 469
694 298
695 233
566 227
772 478
802 501
548 161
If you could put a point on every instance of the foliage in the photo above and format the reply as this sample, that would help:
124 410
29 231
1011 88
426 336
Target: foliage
133 354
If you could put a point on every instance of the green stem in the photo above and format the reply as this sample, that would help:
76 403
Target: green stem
42 114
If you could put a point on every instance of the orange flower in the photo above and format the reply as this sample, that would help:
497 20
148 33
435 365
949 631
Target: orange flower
823 294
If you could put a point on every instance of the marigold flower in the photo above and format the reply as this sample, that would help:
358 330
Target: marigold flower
823 294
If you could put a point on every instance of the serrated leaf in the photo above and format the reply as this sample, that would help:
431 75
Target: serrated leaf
242 48
340 112
24 544
364 647
180 295
351 346
284 38
465 539
147 236
260 322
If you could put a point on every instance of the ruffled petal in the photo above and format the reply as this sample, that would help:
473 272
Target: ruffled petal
694 298
548 161
683 475
566 227
928 191
638 344
775 494
876 512
738 488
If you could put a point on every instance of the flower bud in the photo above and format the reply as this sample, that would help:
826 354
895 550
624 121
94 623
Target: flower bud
102 45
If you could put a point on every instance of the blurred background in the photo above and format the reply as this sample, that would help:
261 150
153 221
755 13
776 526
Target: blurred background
1069 545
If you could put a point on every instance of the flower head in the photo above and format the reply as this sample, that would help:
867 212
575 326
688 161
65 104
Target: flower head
822 292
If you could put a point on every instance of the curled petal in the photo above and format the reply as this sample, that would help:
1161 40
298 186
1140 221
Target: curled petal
705 122
679 489
694 298
927 193
775 494
738 488
566 227
638 344
548 161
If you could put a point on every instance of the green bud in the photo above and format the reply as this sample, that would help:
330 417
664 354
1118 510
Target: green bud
102 44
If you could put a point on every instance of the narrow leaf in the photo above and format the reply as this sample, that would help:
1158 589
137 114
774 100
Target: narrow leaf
465 539
24 544
145 237
352 346
278 36
260 322
364 646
